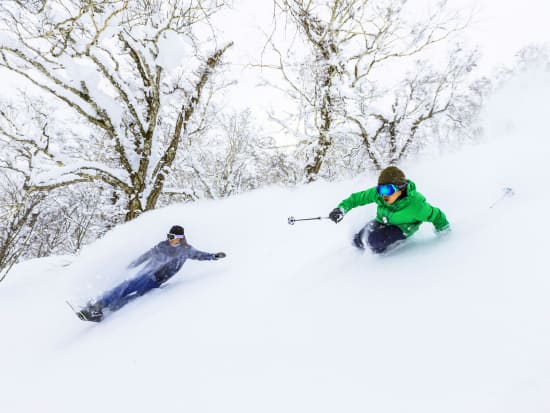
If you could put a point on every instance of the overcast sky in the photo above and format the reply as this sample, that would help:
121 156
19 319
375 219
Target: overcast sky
502 27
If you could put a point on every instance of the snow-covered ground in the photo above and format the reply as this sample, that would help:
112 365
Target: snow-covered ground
295 319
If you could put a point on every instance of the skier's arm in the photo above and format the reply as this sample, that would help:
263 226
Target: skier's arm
358 199
195 254
142 258
429 213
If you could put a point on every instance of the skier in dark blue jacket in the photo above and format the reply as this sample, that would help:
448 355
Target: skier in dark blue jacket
162 261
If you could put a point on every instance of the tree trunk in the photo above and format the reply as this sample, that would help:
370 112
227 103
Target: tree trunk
134 208
324 141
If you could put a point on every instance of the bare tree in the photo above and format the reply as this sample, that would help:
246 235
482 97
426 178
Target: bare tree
111 63
233 157
37 223
354 44
19 212
71 217
323 69
424 97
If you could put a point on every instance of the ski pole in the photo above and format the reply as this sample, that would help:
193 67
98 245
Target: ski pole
292 220
507 191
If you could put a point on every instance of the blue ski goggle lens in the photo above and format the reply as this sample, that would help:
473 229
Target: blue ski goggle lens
386 189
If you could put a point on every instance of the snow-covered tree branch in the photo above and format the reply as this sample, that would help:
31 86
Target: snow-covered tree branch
131 75
366 78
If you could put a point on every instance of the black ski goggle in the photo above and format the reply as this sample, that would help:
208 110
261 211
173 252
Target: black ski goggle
174 236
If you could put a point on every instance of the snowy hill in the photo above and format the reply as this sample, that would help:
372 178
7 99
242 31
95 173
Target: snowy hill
295 319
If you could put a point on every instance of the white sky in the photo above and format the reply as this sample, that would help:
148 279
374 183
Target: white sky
502 27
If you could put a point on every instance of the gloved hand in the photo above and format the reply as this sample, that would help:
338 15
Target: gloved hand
336 215
160 277
218 255
443 231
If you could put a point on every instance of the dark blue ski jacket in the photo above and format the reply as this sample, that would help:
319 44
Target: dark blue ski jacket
164 260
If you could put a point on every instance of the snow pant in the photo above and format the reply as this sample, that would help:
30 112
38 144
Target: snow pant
378 236
126 291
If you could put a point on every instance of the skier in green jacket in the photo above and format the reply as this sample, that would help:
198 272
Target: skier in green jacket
401 211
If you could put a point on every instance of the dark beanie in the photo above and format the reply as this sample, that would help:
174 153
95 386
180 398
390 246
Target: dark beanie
176 230
392 175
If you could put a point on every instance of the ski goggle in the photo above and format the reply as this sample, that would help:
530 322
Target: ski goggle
387 189
174 236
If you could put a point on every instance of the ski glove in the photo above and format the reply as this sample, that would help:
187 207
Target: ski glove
443 231
218 255
336 215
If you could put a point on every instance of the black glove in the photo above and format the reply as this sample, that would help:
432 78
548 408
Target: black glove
336 215
160 277
218 255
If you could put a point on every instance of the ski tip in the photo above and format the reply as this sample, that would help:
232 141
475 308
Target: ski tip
79 313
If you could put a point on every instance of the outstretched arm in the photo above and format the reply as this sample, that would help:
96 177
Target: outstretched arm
142 258
195 254
429 213
354 200
358 199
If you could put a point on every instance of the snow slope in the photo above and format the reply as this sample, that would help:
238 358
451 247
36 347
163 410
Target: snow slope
295 319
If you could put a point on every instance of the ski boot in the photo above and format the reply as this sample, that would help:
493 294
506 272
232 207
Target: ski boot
92 312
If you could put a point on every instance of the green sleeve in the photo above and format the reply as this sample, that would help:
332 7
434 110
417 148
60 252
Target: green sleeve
358 199
428 213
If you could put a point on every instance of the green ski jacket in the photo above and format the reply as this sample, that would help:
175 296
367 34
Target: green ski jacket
407 213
